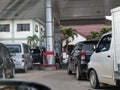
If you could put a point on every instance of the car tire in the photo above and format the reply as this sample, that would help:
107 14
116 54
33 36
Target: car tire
25 69
13 73
68 70
77 73
94 80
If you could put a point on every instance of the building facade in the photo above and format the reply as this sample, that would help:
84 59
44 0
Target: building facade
19 30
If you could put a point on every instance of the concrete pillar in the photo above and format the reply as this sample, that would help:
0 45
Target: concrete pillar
49 32
57 39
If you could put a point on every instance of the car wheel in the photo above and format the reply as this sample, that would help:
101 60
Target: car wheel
13 73
68 70
77 73
25 68
94 80
3 74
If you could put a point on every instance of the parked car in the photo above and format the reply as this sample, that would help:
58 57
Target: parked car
79 58
101 68
37 56
23 57
7 66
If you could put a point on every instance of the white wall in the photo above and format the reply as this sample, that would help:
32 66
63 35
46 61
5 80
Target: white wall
6 34
14 36
23 34
76 40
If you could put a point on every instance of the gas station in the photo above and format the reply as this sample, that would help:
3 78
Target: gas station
70 12
52 14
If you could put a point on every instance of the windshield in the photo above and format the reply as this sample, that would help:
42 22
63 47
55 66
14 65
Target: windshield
14 48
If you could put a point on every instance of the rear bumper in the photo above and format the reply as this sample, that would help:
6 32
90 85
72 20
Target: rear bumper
38 61
20 66
83 67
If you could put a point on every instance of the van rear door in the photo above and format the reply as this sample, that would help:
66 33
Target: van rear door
15 48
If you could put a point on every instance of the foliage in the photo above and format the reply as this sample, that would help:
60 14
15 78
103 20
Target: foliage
32 41
69 34
97 35
93 36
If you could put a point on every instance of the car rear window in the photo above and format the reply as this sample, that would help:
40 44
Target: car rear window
35 51
89 46
14 48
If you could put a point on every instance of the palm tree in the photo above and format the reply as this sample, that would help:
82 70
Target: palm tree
93 36
69 34
32 41
97 35
105 30
29 41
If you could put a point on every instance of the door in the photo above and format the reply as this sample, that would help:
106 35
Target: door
103 60
5 57
7 60
27 54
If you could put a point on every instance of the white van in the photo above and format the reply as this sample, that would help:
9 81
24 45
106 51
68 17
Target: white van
100 68
104 65
23 57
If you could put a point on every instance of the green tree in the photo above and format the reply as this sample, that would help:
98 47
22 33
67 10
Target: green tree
97 35
105 30
93 36
69 34
32 41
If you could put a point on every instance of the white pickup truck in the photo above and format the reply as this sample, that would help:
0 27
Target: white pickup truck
104 65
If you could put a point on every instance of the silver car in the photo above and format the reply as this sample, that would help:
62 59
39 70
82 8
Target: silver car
23 57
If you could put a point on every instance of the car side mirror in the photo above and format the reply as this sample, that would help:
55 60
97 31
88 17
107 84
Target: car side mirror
94 48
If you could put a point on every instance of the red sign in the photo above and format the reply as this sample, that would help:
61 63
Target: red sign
48 53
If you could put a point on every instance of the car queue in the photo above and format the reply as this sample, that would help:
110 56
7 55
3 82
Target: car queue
17 56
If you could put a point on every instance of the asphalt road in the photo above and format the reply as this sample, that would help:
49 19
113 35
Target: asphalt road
57 80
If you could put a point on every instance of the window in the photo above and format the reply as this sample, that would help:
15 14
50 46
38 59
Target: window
104 44
23 27
14 48
35 51
4 27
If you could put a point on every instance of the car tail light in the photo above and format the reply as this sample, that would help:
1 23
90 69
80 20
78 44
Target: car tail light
83 55
23 56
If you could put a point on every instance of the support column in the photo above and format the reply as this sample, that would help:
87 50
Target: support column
49 32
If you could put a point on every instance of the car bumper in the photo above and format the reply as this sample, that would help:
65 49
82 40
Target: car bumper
20 66
83 67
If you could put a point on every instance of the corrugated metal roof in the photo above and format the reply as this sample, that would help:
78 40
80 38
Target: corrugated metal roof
22 9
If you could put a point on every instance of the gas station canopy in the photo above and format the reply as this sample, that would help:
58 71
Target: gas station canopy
62 9
84 9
